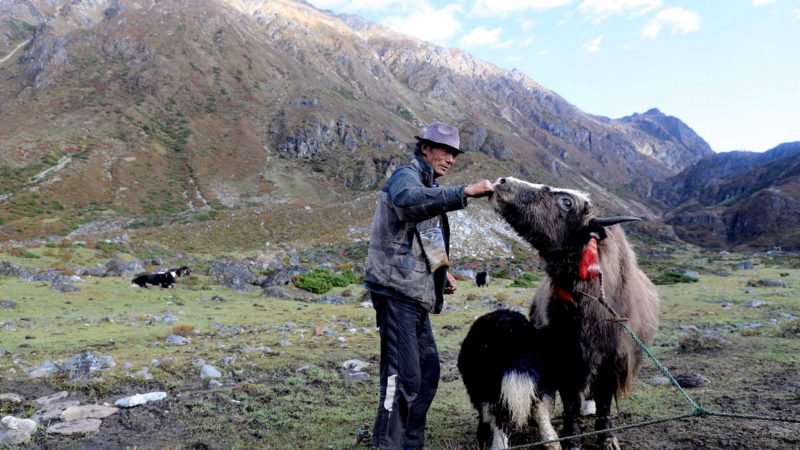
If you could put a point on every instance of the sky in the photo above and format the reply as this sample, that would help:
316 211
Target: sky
730 69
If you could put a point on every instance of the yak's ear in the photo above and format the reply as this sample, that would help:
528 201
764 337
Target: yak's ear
598 224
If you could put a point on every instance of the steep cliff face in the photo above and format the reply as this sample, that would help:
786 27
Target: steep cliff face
678 145
737 199
190 112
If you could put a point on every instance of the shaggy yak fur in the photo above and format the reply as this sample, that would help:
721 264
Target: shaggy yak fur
164 279
480 279
499 366
582 351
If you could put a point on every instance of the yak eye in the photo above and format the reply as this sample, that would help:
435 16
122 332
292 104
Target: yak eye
565 203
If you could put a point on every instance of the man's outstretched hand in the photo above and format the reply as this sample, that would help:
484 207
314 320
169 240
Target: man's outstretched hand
483 188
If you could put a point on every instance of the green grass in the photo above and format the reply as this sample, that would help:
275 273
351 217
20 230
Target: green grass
296 397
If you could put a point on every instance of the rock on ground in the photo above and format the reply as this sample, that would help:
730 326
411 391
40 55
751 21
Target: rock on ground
75 427
16 431
209 371
140 399
11 397
74 413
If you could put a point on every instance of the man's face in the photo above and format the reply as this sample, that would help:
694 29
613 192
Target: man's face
440 159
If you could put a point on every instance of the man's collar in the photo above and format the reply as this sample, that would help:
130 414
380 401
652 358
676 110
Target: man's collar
425 169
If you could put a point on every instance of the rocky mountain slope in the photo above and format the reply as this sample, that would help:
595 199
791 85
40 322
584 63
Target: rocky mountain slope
737 198
242 123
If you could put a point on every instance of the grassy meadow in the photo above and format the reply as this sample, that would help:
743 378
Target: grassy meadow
286 386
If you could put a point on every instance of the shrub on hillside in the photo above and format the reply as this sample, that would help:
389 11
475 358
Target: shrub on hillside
527 280
320 281
672 278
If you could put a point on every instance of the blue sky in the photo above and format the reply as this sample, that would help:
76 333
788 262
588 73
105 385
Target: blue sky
730 69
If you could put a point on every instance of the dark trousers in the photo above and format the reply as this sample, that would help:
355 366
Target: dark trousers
409 373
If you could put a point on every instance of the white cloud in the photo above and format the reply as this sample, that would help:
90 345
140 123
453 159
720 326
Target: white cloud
678 20
428 23
762 2
494 8
481 37
601 9
593 46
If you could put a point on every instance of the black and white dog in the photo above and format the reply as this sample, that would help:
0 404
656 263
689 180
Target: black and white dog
164 279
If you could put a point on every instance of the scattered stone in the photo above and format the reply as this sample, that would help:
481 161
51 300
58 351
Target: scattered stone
44 401
62 284
75 427
228 360
209 371
355 365
657 381
3 352
8 304
217 298
85 365
15 431
331 300
726 305
214 383
755 304
691 274
198 362
284 343
174 339
143 374
356 376
692 381
170 318
744 265
74 413
693 339
766 283
53 411
140 399
11 397
45 369
233 275
723 273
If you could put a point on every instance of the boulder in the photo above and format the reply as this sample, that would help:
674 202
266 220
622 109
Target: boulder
14 431
209 371
11 398
233 275
85 365
691 381
8 304
174 339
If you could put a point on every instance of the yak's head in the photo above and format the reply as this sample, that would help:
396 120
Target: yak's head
550 219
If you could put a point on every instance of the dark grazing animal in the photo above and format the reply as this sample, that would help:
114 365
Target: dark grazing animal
481 279
583 350
164 279
499 364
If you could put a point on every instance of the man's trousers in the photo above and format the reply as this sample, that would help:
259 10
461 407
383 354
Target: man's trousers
409 372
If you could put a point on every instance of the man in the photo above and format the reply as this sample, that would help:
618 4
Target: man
406 285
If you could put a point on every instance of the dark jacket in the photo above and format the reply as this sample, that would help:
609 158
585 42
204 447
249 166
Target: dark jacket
410 201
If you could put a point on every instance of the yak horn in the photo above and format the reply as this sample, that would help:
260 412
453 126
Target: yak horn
608 221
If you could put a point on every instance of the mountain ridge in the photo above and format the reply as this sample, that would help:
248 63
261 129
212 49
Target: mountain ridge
201 115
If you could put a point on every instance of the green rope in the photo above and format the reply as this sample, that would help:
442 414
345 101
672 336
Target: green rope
697 408
608 430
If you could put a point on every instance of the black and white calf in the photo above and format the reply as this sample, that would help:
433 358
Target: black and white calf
500 367
164 279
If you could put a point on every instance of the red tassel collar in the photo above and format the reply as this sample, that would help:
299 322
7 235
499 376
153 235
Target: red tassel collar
588 269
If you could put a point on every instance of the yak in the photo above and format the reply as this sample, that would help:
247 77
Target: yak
500 370
584 254
165 278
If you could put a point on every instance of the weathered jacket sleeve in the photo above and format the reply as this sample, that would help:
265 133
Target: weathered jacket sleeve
415 202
